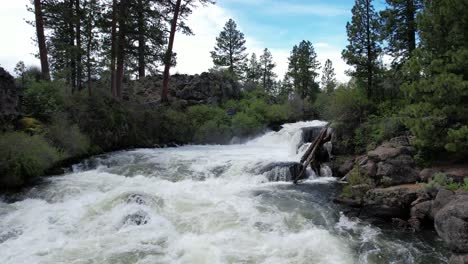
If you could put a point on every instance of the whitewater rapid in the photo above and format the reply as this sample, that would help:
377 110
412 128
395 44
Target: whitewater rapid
195 204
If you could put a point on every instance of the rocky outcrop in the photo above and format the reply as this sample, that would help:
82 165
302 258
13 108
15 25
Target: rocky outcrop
451 223
281 171
388 203
205 88
9 97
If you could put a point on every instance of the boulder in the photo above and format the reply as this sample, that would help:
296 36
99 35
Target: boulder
9 98
451 223
346 167
396 171
388 203
426 174
443 197
459 259
280 171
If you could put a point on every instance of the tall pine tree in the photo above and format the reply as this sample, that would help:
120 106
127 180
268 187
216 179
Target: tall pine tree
363 50
328 77
268 75
254 71
230 49
303 70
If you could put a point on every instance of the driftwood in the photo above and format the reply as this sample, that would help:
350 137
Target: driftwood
309 155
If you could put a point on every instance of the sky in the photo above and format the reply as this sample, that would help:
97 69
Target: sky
274 24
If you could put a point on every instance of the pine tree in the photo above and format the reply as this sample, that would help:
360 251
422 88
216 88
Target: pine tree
267 66
363 49
303 70
328 77
437 85
254 73
230 49
399 28
41 40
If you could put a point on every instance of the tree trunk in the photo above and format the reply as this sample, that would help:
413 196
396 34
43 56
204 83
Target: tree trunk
369 51
71 48
113 47
410 18
141 40
41 40
79 69
89 38
121 47
168 58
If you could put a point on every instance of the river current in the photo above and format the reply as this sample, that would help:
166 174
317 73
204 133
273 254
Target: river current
197 204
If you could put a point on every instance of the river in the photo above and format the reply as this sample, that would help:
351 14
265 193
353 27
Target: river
197 204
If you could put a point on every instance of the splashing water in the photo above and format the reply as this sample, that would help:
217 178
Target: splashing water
196 204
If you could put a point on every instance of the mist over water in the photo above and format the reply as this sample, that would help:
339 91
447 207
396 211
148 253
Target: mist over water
197 204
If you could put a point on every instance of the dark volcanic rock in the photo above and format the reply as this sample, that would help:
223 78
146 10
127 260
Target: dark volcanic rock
205 88
388 203
443 197
451 223
9 97
426 174
459 259
281 171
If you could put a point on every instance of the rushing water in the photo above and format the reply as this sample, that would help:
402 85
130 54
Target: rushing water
196 204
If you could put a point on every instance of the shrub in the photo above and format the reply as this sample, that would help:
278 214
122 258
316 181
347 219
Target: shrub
440 181
175 127
67 137
245 125
356 178
23 157
31 126
42 99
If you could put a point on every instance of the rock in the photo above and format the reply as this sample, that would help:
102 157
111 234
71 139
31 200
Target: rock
310 133
451 223
395 172
459 259
421 210
384 152
348 202
443 197
9 98
401 141
370 168
415 224
137 218
206 88
280 171
388 203
400 223
426 174
346 167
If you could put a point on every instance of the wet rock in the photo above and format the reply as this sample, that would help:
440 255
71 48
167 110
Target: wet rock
388 203
281 171
310 133
400 224
422 210
136 198
451 223
459 259
137 218
394 173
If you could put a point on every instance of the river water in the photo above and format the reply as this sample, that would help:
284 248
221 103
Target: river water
197 204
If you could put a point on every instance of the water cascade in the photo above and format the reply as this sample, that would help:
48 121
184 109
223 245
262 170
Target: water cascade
198 204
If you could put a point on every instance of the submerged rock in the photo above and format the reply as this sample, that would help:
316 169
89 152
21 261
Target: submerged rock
137 218
281 171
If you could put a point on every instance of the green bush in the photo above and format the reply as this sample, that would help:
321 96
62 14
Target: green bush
245 125
175 127
67 137
441 181
23 157
356 177
42 99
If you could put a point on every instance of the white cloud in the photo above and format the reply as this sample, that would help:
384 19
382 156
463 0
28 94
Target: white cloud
193 52
16 34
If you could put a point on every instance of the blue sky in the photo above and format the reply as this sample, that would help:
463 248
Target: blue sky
274 24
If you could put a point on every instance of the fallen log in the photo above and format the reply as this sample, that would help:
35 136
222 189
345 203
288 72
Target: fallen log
309 155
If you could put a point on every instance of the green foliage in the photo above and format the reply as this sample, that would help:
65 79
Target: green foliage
328 77
175 127
364 49
43 99
230 49
31 126
303 69
67 137
245 125
356 178
441 181
23 157
458 140
211 124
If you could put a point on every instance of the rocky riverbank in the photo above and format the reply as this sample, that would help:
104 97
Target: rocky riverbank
387 185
